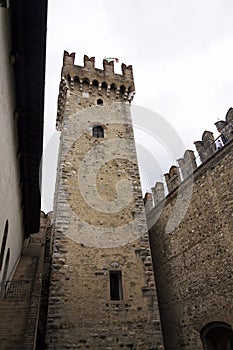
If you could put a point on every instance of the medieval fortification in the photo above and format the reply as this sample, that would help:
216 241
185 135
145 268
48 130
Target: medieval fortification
108 270
102 287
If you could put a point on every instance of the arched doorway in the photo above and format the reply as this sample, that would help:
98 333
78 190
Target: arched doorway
217 336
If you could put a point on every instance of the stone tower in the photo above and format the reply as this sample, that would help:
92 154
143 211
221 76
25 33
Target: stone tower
102 292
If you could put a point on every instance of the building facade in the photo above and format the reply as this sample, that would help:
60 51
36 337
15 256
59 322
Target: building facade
101 291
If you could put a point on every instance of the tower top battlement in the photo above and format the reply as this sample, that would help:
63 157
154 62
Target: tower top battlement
88 71
91 83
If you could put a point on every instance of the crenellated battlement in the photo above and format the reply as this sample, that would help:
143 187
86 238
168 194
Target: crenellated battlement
172 178
187 164
206 148
91 84
226 127
71 72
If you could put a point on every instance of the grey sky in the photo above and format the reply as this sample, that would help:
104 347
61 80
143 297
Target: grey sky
181 52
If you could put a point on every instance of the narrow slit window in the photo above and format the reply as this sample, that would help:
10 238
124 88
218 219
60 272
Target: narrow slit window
98 131
116 289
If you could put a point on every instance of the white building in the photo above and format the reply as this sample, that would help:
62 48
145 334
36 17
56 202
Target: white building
22 71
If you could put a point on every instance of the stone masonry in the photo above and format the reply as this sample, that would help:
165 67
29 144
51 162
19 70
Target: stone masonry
99 220
193 258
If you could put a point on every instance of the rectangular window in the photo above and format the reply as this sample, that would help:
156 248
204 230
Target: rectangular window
116 289
98 131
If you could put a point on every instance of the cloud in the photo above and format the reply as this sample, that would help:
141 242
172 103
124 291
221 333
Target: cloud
181 52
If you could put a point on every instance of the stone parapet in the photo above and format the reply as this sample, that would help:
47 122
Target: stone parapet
93 86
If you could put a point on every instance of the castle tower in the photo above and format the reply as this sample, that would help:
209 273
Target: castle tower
102 292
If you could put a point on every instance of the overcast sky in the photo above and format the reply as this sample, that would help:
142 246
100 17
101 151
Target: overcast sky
181 52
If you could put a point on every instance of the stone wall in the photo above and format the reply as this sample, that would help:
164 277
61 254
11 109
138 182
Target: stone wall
193 256
81 314
46 249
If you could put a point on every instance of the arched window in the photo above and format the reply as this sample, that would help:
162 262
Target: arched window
113 88
3 245
86 85
95 83
95 86
217 336
104 87
76 80
100 102
98 131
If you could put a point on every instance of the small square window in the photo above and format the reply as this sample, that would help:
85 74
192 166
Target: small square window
98 131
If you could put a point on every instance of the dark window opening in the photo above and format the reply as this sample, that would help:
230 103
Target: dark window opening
85 85
113 88
98 131
95 84
116 289
217 336
104 87
122 89
86 81
100 102
76 80
3 246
